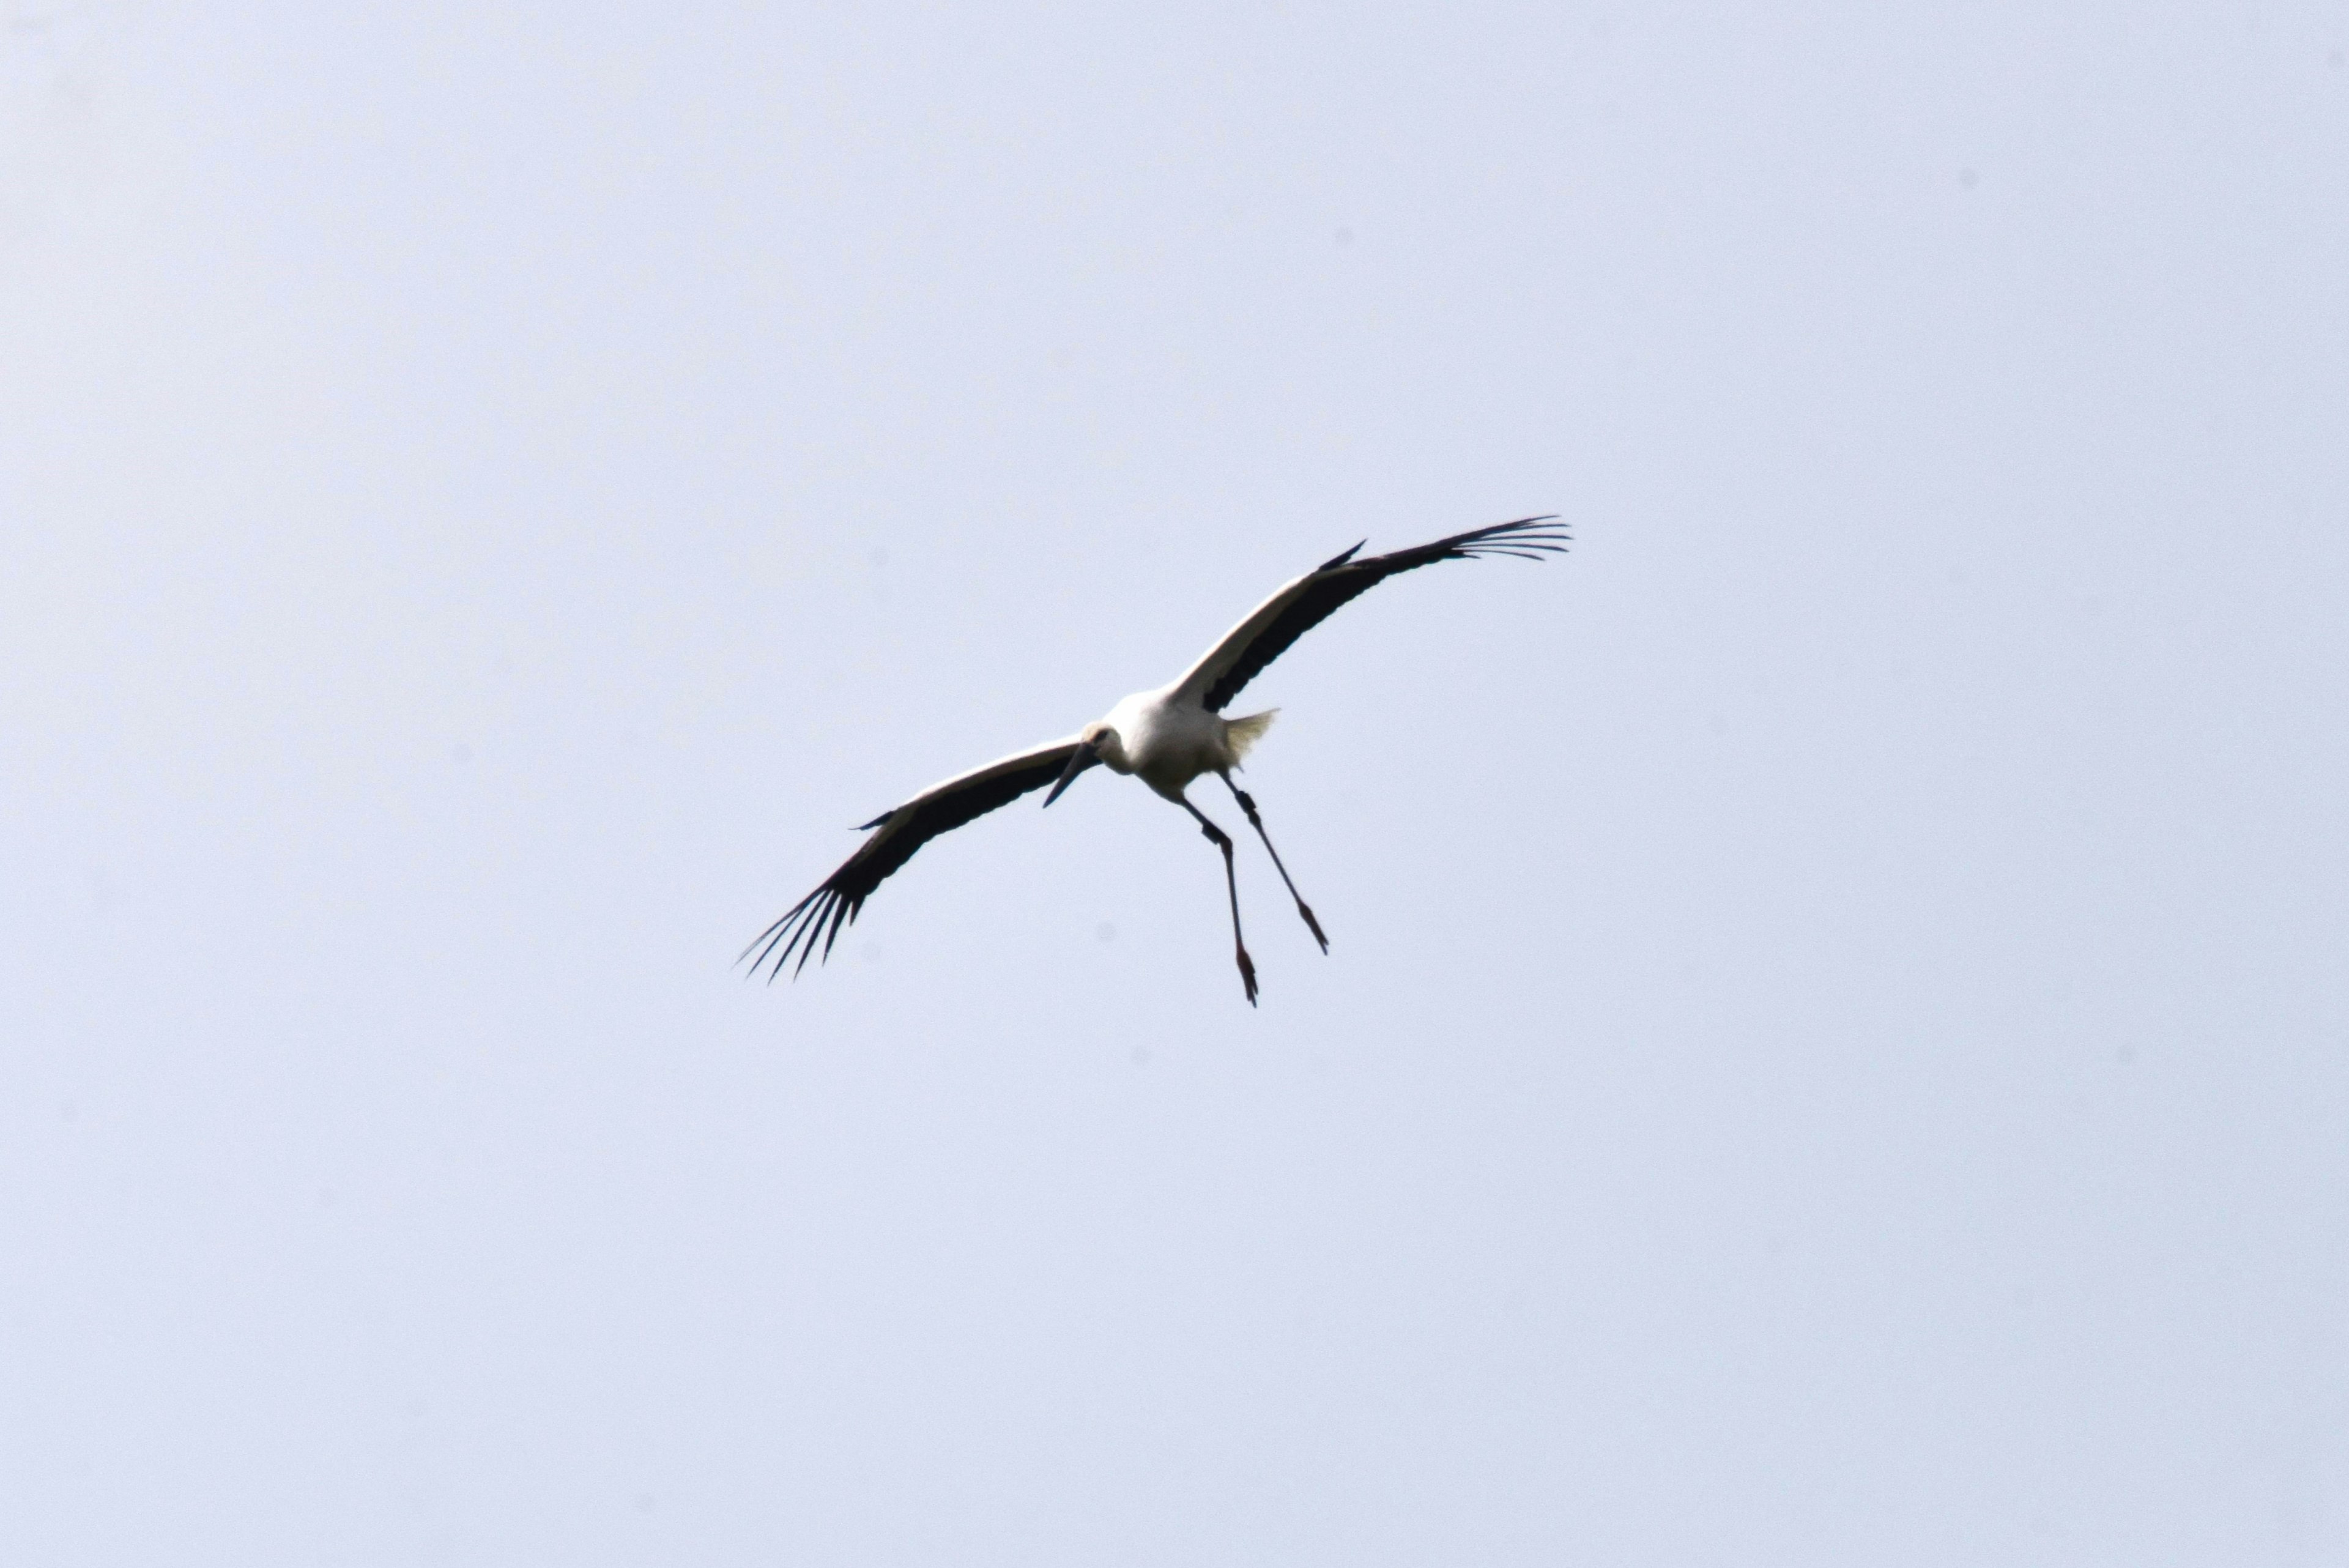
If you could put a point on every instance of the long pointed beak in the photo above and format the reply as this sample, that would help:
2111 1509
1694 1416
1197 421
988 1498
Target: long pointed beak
1084 757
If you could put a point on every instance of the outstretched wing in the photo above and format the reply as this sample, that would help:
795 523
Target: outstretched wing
941 808
1304 603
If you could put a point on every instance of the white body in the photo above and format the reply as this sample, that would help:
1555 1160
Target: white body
1166 740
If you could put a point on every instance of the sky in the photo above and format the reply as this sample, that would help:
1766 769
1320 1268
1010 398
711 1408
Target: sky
1835 1047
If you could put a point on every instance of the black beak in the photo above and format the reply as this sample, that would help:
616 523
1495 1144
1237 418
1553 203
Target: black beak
1084 757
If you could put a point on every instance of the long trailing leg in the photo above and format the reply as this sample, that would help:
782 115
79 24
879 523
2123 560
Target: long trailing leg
1223 841
1256 822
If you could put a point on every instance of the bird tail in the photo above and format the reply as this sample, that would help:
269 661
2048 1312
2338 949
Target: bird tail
1239 735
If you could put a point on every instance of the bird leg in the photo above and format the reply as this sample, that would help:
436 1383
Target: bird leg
1248 806
1223 841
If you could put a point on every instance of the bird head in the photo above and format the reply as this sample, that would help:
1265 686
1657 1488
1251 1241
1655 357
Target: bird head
1092 742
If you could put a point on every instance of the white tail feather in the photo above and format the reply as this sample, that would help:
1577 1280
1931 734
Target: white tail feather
1239 735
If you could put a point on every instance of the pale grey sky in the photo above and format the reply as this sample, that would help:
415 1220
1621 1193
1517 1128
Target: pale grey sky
1836 1043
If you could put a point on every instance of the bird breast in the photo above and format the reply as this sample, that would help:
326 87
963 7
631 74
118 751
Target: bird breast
1169 743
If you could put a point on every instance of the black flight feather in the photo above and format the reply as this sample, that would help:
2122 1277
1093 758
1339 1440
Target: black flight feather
1341 579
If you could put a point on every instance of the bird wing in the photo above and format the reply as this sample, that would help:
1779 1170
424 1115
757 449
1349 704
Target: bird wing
1303 603
941 808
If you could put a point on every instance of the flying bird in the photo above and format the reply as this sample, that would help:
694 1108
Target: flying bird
1167 738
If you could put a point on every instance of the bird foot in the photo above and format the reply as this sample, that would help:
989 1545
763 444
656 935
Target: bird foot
1312 925
1247 975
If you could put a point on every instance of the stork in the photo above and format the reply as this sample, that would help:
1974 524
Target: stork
1167 738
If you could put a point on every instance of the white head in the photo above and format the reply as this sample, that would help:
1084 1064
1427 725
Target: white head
1096 743
1107 744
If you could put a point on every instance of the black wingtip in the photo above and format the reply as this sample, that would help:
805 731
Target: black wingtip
1528 538
784 934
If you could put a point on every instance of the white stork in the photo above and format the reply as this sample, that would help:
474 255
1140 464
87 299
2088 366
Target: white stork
1168 737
